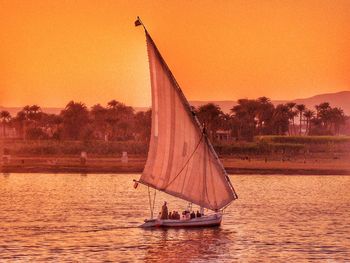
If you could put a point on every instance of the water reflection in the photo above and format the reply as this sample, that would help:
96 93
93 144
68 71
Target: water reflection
95 218
186 245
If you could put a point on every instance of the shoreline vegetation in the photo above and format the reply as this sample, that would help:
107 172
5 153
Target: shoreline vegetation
109 165
292 155
256 137
112 166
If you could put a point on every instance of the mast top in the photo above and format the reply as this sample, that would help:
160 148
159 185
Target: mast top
139 22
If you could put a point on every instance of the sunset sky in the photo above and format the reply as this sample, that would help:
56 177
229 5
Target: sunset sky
52 52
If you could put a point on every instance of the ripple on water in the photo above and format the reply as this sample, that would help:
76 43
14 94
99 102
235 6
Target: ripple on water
96 217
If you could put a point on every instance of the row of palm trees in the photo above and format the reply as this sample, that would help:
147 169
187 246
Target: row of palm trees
260 117
117 121
323 120
5 117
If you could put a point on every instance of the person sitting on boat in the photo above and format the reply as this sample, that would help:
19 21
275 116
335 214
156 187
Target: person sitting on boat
193 215
177 215
164 211
198 214
185 215
170 216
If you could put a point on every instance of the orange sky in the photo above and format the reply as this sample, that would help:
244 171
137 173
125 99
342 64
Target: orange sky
55 51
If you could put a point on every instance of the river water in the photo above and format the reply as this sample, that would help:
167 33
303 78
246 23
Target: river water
94 218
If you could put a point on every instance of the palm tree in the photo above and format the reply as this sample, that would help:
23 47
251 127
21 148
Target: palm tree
301 108
338 118
126 121
120 118
20 121
245 115
211 116
35 109
5 117
226 121
75 119
51 123
324 106
281 116
26 110
324 114
264 115
292 114
99 119
35 114
308 114
143 122
113 104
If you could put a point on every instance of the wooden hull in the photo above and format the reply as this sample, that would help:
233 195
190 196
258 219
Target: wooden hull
204 221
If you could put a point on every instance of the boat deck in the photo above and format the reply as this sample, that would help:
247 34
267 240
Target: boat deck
204 221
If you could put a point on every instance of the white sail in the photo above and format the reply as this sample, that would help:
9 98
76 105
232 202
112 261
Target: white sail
181 161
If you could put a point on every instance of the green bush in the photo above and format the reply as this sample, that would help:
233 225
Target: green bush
261 146
236 148
287 147
35 134
258 148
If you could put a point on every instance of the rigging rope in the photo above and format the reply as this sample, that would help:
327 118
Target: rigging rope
154 200
151 204
205 180
195 149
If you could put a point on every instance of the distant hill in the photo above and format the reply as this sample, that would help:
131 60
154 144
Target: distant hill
338 99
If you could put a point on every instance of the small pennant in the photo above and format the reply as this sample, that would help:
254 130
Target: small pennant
138 22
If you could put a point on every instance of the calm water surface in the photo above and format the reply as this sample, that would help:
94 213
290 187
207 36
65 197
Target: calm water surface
93 218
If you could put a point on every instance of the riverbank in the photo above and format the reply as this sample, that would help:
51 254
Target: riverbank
72 164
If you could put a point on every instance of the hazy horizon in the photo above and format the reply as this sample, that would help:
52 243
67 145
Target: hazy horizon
53 52
194 100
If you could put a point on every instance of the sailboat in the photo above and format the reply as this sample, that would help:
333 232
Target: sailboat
181 160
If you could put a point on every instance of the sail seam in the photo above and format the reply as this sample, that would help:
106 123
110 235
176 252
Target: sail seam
192 115
178 88
184 166
184 180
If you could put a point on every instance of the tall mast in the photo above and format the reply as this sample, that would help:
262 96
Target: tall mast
188 109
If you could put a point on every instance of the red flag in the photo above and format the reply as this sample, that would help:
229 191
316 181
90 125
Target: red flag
136 184
138 22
